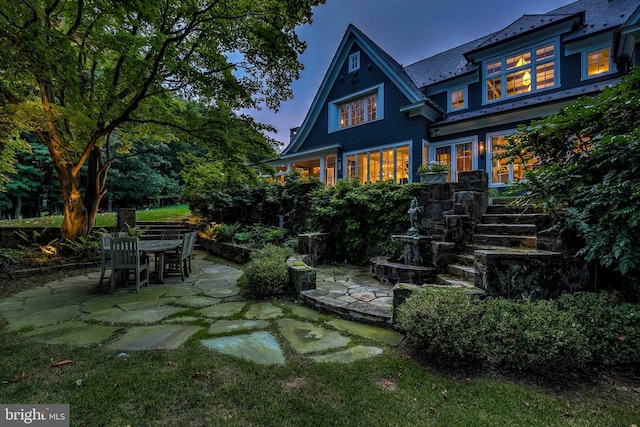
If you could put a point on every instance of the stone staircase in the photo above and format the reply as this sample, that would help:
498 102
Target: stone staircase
509 231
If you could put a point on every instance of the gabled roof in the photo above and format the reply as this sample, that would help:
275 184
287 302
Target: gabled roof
598 15
394 71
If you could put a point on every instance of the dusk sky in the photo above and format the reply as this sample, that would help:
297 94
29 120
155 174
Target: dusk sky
408 30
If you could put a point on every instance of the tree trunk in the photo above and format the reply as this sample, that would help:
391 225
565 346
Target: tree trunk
75 222
18 211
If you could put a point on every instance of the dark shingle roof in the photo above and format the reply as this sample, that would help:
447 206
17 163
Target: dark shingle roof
599 15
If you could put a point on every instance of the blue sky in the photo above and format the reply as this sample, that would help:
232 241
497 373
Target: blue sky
408 30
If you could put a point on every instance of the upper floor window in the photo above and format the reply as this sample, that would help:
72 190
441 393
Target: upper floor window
457 99
527 71
354 62
358 111
598 62
359 108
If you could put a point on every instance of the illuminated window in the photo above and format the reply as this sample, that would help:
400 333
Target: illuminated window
359 108
387 164
505 170
598 62
358 111
526 71
464 157
330 170
457 99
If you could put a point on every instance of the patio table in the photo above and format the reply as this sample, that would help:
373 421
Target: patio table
158 249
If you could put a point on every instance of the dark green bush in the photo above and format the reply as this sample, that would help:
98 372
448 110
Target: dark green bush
266 275
611 329
574 331
443 324
531 336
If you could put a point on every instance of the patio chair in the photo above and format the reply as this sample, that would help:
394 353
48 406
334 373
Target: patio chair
192 243
179 262
126 257
105 255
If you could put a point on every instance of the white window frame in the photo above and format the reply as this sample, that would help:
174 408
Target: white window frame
334 108
379 150
532 65
429 149
354 62
465 94
585 65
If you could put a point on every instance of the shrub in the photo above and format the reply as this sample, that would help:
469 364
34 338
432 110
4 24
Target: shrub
226 232
531 336
443 324
8 257
266 275
611 329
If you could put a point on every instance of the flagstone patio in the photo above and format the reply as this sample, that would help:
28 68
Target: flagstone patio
75 311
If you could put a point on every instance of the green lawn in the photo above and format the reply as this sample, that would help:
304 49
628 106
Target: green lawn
193 386
108 219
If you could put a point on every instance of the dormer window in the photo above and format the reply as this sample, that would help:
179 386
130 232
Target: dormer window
526 71
458 99
354 62
598 62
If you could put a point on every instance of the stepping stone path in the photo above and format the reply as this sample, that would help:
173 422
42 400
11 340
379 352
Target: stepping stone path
75 311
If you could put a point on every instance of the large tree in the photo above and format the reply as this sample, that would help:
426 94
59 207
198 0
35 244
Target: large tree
77 71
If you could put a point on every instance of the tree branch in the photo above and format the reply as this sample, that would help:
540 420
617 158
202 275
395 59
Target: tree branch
78 21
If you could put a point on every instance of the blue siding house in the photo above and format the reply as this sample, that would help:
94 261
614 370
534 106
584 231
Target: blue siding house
375 120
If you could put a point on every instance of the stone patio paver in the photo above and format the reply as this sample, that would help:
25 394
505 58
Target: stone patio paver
259 347
263 310
75 311
73 332
157 337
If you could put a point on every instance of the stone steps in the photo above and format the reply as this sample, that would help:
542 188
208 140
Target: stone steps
508 241
462 271
506 229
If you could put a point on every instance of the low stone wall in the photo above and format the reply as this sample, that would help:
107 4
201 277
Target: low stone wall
239 254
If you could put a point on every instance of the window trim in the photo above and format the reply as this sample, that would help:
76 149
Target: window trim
354 62
334 108
532 65
584 58
465 94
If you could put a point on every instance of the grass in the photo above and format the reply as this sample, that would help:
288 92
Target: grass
197 387
106 219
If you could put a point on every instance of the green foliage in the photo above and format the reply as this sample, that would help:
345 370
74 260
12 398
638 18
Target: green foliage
226 232
589 162
569 333
8 257
80 73
531 336
611 329
443 324
83 247
361 217
266 275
